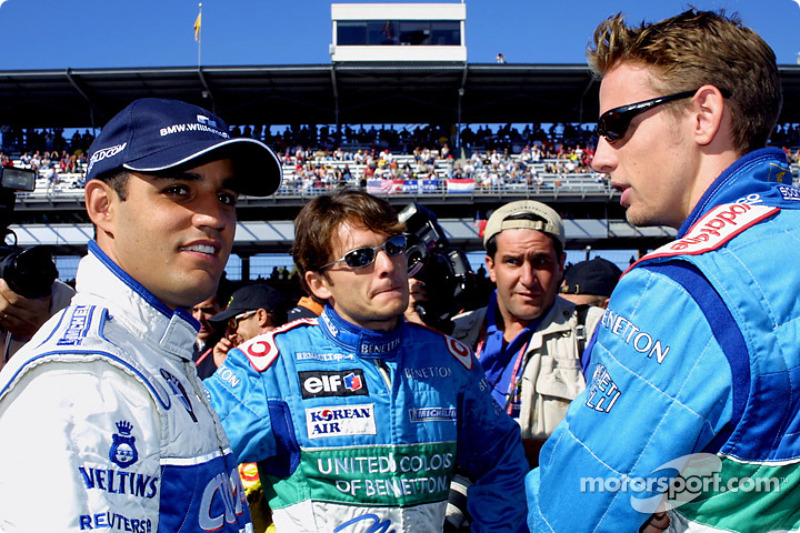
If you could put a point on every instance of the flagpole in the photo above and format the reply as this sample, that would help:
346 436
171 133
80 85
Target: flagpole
199 34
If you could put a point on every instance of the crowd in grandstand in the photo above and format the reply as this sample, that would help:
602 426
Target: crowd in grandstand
321 158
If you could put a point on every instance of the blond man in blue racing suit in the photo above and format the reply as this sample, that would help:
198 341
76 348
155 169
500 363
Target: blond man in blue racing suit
691 406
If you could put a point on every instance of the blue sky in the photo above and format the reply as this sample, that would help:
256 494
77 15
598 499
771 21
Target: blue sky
60 34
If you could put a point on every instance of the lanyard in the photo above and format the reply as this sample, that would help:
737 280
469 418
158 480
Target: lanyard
203 356
496 356
514 379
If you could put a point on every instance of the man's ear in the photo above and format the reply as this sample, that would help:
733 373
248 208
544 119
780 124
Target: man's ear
262 317
709 115
318 285
490 267
99 198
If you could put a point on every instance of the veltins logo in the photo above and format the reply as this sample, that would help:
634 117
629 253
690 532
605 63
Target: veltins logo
678 482
123 447
317 384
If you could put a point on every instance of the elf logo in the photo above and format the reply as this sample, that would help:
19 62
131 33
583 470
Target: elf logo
317 384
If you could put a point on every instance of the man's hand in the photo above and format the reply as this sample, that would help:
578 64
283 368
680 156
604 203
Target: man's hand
22 316
222 348
416 294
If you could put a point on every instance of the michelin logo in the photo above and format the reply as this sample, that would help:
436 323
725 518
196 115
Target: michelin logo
79 323
432 414
790 194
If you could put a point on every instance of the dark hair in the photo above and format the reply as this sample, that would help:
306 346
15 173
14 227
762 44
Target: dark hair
318 220
118 179
491 244
277 317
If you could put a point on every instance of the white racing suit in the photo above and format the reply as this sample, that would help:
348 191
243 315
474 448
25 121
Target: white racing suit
105 425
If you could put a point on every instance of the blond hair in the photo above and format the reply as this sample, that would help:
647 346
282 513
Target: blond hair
697 48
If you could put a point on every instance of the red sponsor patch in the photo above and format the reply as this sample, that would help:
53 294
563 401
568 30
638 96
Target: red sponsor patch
460 352
717 227
262 351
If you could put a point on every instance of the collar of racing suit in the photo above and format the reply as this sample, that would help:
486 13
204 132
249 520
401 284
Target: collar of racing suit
103 283
751 179
363 342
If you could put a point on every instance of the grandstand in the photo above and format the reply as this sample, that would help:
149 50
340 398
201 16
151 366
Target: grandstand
272 232
548 177
53 213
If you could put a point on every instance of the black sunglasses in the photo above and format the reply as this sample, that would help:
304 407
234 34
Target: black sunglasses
361 257
614 123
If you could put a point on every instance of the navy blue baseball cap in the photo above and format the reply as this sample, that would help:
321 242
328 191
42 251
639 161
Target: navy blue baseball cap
249 298
598 276
152 135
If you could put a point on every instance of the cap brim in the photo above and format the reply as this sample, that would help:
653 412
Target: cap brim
224 315
258 169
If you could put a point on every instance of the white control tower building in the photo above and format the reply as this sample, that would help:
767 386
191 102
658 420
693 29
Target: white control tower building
398 32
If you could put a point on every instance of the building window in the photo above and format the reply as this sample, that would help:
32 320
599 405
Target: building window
351 33
392 32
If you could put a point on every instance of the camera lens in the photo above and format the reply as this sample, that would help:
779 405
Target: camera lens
30 272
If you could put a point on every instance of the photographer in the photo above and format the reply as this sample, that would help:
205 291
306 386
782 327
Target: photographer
29 291
441 281
528 340
21 317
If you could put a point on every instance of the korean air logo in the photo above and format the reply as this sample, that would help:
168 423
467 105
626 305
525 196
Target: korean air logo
335 421
318 384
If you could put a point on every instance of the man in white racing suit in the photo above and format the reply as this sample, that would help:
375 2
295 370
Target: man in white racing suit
102 411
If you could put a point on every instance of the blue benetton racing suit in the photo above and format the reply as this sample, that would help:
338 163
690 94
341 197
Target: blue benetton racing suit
104 422
359 431
695 368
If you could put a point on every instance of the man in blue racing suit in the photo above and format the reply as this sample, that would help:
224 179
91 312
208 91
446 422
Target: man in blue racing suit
691 407
356 418
102 413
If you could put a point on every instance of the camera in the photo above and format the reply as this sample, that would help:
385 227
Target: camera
450 283
29 272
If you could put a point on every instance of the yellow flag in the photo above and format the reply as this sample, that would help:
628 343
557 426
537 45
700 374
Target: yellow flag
197 26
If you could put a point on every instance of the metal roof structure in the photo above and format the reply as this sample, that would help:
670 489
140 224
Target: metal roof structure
365 93
336 93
